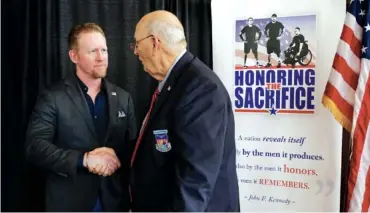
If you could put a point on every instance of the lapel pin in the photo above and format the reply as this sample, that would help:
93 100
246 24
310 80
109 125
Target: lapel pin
114 93
168 88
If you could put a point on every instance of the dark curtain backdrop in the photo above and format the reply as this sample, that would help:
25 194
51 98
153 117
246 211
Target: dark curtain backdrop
35 54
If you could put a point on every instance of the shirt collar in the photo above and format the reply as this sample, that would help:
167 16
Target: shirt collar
161 83
85 89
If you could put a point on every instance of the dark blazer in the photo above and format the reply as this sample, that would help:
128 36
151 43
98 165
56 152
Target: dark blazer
191 167
61 128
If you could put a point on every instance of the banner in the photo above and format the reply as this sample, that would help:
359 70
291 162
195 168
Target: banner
274 57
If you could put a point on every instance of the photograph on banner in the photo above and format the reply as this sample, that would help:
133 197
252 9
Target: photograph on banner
275 60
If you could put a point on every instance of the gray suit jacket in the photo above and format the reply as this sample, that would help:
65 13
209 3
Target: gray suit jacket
61 129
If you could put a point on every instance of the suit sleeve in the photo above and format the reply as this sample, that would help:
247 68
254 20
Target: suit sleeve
131 133
130 139
39 146
132 127
200 126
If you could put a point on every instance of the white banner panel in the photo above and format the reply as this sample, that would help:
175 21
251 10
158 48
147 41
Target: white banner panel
288 144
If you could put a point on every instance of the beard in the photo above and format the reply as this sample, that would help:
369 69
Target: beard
99 72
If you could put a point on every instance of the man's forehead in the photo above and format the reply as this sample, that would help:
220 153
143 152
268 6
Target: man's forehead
91 36
91 39
139 31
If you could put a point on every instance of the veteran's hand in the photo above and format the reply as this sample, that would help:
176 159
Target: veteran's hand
102 161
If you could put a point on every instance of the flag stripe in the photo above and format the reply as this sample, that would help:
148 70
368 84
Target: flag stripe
341 66
343 106
343 88
359 166
351 22
345 51
349 37
365 65
358 173
251 110
366 204
297 111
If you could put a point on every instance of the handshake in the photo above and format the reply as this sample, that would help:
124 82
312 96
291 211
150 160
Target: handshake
102 161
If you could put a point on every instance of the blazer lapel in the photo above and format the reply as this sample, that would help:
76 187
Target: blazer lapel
78 98
176 72
112 104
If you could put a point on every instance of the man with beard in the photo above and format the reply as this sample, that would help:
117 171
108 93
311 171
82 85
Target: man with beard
273 31
250 34
80 132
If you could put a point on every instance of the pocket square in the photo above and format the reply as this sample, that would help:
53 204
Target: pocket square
121 114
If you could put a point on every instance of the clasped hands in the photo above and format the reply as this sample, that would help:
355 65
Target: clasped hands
102 161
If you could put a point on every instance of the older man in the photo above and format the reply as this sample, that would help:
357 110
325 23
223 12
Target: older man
184 159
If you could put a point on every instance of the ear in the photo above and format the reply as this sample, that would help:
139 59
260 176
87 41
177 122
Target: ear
73 56
156 44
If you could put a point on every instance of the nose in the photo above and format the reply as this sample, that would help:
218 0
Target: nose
135 51
98 56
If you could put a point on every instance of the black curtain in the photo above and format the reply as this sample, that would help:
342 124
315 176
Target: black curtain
35 55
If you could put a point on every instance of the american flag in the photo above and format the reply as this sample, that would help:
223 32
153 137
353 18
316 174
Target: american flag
347 96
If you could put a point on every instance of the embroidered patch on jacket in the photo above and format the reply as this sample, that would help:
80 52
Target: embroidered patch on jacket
161 138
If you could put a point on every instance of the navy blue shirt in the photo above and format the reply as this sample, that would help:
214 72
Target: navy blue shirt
98 111
99 114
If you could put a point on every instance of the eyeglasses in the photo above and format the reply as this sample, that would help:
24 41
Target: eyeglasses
134 43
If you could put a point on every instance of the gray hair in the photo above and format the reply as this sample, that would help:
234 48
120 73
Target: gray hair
172 35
